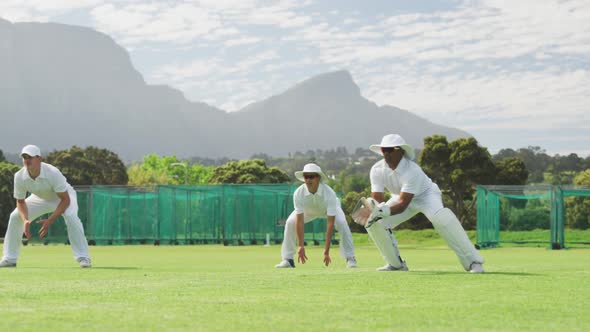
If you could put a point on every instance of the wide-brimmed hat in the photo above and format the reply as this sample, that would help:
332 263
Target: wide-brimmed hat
31 150
393 140
311 168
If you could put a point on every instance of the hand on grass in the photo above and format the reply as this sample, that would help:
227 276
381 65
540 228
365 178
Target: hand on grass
327 259
301 257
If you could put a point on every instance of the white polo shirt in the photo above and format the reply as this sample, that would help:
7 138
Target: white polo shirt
49 182
323 203
407 177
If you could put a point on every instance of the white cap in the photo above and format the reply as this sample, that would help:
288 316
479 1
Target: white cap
311 168
31 150
393 140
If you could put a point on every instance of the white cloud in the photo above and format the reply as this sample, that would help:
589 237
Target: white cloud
40 10
480 64
155 22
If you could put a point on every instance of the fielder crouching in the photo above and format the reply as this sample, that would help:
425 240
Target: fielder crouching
315 199
50 194
412 192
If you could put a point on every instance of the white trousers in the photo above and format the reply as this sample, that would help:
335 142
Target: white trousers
429 204
290 235
38 207
446 224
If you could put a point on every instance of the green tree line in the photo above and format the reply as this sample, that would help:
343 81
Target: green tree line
456 166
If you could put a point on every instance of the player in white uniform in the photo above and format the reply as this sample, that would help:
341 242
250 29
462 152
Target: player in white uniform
50 193
412 192
313 200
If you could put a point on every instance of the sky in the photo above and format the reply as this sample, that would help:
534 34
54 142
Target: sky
513 73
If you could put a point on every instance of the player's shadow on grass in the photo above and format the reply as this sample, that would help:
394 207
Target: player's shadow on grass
113 268
524 274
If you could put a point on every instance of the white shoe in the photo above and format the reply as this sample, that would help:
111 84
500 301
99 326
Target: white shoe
84 262
285 263
388 267
5 263
476 268
351 262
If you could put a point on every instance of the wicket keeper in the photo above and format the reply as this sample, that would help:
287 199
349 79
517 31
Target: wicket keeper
412 192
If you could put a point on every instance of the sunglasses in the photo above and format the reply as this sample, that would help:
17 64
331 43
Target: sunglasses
389 150
309 176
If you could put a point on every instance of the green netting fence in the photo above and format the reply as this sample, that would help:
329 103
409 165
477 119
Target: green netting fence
506 214
208 214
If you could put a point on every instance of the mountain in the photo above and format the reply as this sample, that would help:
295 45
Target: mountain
64 85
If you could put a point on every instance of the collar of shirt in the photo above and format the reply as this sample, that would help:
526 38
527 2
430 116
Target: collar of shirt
319 192
402 166
42 173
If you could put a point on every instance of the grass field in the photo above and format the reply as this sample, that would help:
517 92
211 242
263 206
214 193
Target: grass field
216 288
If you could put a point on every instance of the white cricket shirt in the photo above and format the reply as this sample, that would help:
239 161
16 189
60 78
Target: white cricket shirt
407 177
49 182
323 203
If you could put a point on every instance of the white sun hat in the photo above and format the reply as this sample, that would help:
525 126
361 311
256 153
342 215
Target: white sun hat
31 150
311 168
393 140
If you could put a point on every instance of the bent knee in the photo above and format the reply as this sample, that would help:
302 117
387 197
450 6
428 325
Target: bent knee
14 215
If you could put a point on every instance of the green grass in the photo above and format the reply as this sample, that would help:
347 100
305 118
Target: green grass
216 288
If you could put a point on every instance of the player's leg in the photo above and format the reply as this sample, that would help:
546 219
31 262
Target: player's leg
448 226
76 235
289 242
14 232
346 244
385 240
387 245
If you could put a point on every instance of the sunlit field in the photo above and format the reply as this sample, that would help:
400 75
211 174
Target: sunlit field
237 288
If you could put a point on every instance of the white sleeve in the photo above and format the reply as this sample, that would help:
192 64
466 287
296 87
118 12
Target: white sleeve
411 185
298 201
376 176
20 192
332 203
59 183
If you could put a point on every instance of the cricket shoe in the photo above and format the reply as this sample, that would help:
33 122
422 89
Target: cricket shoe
351 262
5 263
84 262
286 263
476 268
388 267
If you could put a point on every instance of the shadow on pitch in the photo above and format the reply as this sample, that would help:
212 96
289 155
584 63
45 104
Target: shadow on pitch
113 268
498 273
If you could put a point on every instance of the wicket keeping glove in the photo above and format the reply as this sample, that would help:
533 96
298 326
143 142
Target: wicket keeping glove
380 211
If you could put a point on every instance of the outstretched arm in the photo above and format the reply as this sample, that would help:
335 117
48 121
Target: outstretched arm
402 203
300 224
329 232
23 212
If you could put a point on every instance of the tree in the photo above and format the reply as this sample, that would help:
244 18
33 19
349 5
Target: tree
2 158
168 170
583 178
503 154
536 161
511 171
248 171
7 202
348 203
89 166
578 208
457 167
355 177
